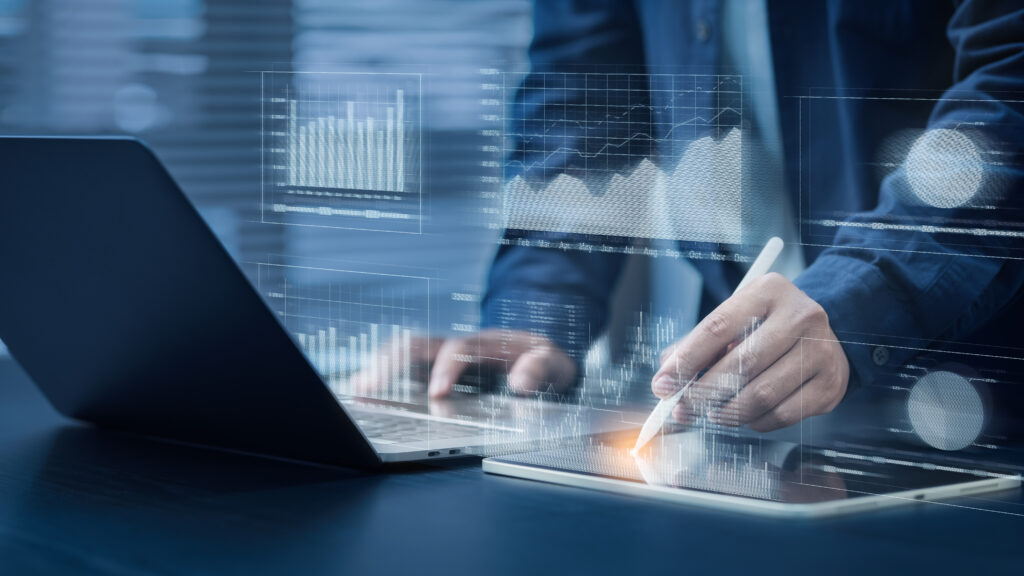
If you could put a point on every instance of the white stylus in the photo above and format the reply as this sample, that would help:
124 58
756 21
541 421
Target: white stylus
657 418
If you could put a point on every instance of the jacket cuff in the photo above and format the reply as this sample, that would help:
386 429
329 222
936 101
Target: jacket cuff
562 318
863 311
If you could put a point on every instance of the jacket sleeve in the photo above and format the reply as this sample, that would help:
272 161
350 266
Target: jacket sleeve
534 285
911 271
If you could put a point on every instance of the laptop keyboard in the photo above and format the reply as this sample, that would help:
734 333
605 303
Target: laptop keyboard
399 429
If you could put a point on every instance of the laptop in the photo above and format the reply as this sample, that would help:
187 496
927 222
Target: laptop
122 306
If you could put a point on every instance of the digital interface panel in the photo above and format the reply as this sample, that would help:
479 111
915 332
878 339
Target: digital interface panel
347 322
654 166
615 152
342 150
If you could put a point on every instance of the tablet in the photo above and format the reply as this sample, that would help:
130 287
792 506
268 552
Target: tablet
744 474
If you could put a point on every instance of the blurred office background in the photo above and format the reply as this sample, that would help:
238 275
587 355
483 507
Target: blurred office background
184 76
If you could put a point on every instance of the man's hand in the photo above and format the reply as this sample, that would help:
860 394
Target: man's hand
771 360
532 363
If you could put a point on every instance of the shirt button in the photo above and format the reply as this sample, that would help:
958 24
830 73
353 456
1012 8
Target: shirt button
703 30
880 355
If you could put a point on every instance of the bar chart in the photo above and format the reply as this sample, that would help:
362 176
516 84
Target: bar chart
342 150
382 351
351 322
347 152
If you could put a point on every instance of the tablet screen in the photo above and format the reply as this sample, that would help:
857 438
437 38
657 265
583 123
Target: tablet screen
749 467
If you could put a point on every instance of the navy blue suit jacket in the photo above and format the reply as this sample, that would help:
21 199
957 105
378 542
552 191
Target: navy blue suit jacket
888 291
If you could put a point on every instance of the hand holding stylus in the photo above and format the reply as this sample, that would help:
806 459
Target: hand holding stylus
789 367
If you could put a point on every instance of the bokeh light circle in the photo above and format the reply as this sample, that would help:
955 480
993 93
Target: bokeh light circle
944 168
946 410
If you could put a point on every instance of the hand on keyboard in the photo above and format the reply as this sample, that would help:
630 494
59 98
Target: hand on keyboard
531 362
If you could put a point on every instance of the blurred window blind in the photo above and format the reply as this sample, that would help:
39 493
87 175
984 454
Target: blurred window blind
183 76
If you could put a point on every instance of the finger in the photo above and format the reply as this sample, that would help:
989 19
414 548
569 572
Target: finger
422 354
669 386
372 376
541 369
449 363
711 336
442 408
366 381
764 392
682 413
807 400
671 349
668 351
712 394
486 348
756 353
668 378
377 373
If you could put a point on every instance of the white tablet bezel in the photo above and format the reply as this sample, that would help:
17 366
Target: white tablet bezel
749 505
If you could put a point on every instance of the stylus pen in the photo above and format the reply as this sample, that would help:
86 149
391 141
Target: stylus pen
655 421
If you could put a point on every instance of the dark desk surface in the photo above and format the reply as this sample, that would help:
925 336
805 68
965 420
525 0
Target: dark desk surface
79 500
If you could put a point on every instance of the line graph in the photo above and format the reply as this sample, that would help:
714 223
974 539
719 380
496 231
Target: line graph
630 155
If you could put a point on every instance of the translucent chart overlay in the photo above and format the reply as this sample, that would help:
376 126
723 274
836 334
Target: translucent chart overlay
945 185
342 150
655 156
957 400
347 322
